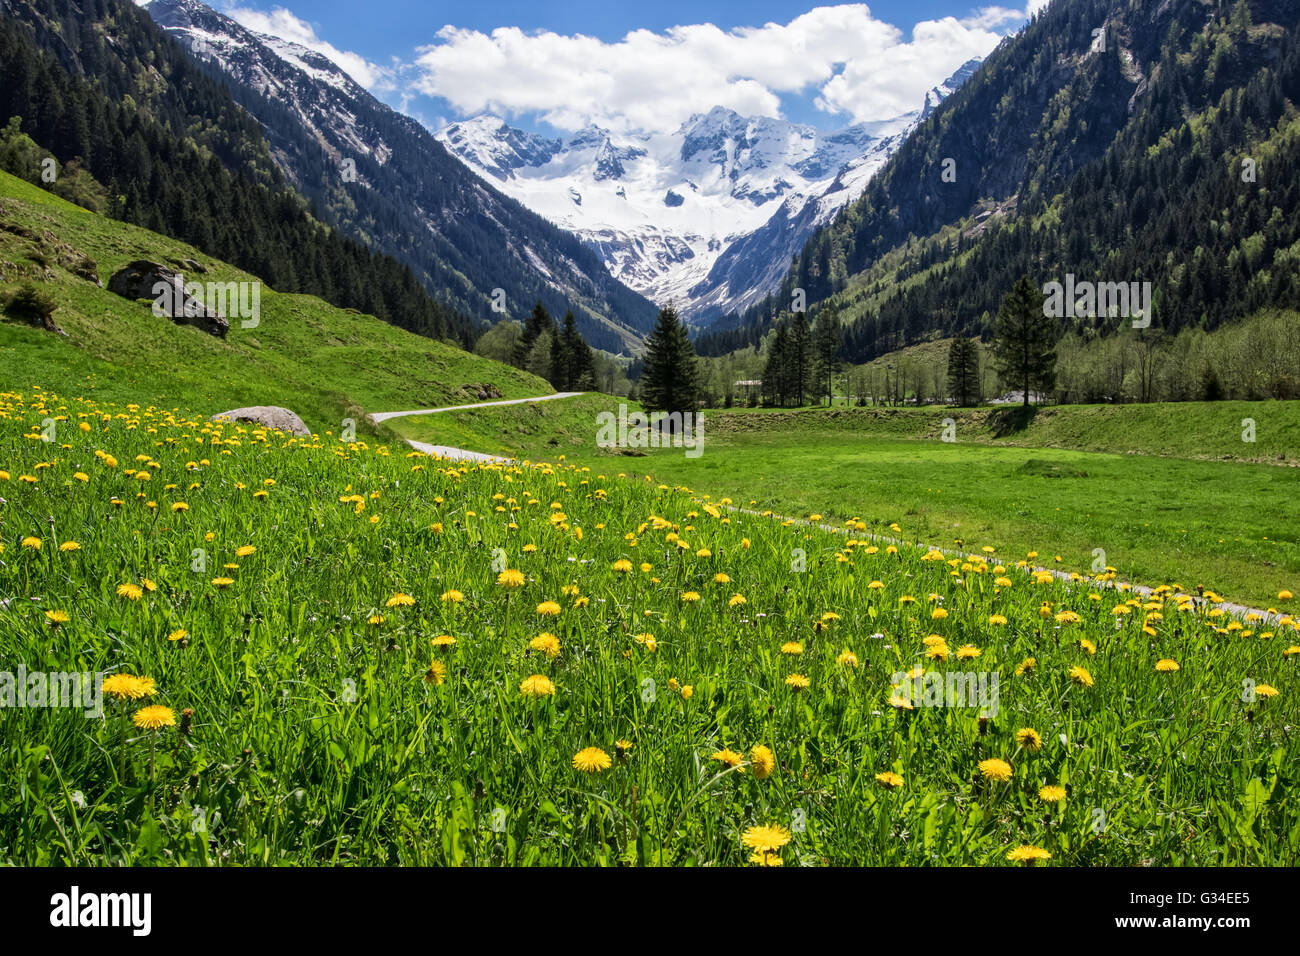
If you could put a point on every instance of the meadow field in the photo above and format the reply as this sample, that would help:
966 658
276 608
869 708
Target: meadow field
1086 487
324 652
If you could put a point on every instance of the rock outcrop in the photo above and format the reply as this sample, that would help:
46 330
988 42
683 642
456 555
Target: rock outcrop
268 416
140 280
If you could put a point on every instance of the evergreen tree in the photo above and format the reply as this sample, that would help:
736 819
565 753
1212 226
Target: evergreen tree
671 379
963 371
1024 341
830 342
579 364
775 373
800 363
538 322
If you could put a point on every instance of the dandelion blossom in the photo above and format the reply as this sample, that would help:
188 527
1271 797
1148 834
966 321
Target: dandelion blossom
1051 793
539 685
766 839
1028 855
547 643
591 760
1029 738
995 769
154 717
763 761
728 758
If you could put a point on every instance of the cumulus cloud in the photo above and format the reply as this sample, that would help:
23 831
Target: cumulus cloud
845 60
853 63
284 24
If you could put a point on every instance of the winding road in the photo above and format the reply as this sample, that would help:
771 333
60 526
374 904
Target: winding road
462 454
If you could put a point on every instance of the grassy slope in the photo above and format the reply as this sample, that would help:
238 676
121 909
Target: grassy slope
1228 525
327 729
323 362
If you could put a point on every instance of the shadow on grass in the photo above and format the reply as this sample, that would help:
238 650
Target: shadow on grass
1008 421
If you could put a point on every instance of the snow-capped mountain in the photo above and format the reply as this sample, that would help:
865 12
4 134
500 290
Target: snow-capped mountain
384 178
707 216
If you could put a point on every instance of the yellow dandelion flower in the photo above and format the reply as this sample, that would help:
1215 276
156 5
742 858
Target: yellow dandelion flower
728 758
539 685
1028 855
436 674
766 839
1029 738
591 760
154 717
995 769
547 643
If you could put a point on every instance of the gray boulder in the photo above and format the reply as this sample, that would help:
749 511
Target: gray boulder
268 416
138 280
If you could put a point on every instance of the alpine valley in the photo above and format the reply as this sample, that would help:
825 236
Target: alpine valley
707 217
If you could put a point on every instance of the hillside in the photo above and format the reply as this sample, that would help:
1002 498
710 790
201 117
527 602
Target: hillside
324 362
404 194
1168 154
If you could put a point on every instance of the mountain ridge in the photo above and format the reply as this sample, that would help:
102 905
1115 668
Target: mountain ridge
664 211
382 176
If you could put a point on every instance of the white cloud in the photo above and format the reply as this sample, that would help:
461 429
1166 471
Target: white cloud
284 24
852 62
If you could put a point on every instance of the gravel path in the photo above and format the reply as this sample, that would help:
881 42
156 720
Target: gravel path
462 454
378 417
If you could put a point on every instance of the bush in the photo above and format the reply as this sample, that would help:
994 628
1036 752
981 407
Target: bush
32 305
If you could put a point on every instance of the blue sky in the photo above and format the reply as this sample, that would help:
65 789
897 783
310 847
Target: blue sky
554 66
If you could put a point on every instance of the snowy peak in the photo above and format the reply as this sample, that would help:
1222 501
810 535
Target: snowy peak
939 93
488 144
707 216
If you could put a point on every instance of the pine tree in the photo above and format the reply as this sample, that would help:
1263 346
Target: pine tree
580 365
1024 341
963 371
830 342
670 382
538 322
801 371
776 371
